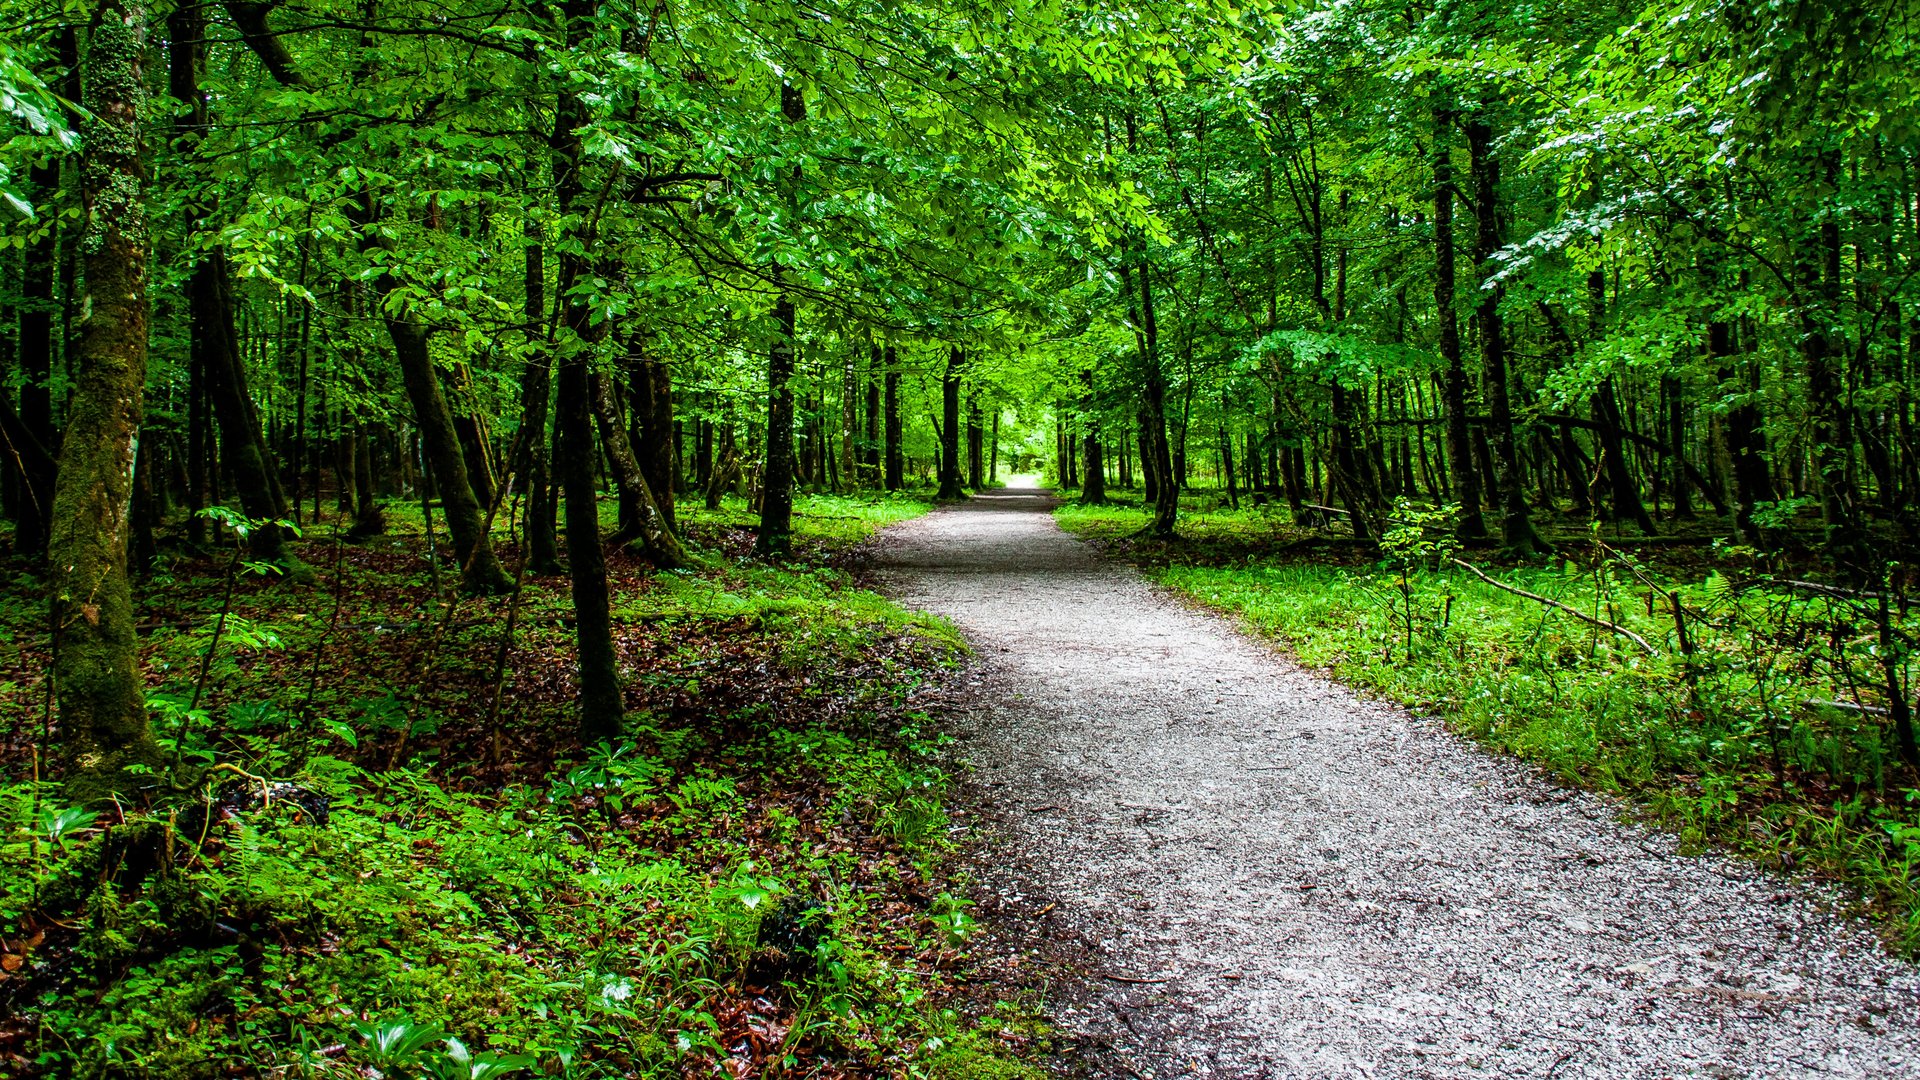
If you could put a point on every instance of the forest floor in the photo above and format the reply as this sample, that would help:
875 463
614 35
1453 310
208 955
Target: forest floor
755 882
1255 872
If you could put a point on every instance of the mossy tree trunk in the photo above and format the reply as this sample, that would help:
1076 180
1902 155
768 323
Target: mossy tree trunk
97 685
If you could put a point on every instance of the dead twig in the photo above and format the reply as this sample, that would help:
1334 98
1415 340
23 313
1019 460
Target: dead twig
1575 612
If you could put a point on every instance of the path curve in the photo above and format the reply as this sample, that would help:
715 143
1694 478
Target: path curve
1331 887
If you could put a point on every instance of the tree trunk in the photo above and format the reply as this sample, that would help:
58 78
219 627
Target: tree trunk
1166 500
1516 526
1454 387
725 472
1833 435
896 471
1624 493
602 703
96 678
776 486
850 458
1094 491
652 388
976 445
210 318
950 478
1149 482
1226 465
870 442
473 453
655 536
481 571
368 518
531 458
1746 438
993 451
1353 470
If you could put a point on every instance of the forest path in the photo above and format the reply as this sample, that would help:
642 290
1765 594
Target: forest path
1301 883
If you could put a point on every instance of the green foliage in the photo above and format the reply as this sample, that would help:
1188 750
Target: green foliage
601 920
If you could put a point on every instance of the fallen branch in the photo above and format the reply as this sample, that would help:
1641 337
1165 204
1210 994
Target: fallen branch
1847 706
1575 612
1831 590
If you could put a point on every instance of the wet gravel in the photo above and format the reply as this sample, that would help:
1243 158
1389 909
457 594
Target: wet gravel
1265 875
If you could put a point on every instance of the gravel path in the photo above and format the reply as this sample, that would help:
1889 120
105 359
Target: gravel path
1290 881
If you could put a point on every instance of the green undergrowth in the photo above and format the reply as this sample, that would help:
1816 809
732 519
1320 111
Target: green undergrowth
1765 731
824 518
753 881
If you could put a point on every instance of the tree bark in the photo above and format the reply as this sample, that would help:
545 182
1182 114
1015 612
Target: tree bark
775 535
211 340
1093 490
601 700
976 445
1454 387
531 459
1624 493
651 384
1166 486
1516 526
100 696
1746 437
870 442
896 461
950 478
1149 481
368 518
849 457
481 571
655 536
1226 465
1833 434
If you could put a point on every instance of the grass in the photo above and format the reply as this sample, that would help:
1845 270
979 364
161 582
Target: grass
820 518
1729 745
754 877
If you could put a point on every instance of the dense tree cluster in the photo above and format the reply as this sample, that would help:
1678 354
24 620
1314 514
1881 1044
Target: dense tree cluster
1545 263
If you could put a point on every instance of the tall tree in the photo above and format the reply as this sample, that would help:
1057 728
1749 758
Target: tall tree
97 683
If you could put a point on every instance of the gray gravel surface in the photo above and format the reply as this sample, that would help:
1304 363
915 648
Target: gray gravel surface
1270 876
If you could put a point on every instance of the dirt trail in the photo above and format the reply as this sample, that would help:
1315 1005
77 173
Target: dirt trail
1306 884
